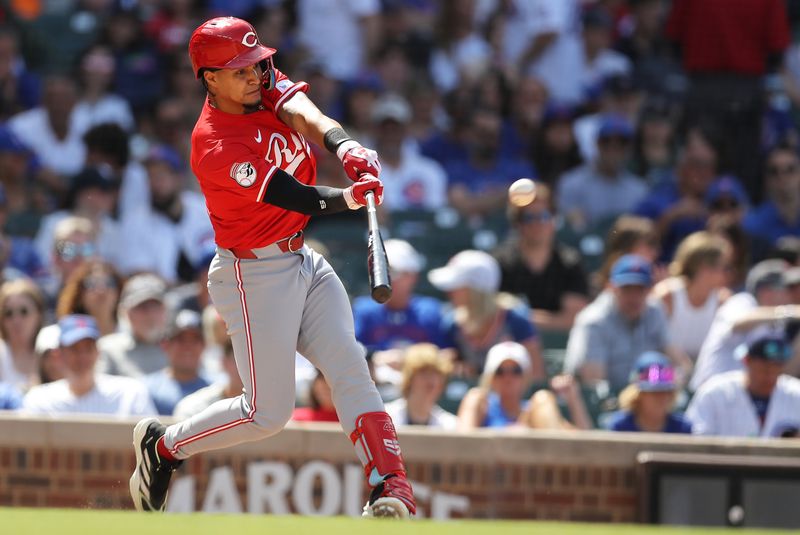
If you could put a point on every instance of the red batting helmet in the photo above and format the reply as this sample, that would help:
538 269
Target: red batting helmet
226 43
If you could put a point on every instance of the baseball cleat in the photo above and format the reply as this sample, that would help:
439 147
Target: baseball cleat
390 499
150 480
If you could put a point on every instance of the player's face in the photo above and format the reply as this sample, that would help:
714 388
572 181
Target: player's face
240 87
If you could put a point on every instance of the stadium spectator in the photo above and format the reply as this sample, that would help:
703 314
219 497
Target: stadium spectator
18 255
726 51
83 390
50 131
678 206
498 401
51 364
779 214
655 142
354 27
92 195
229 387
596 59
19 177
411 180
629 235
194 294
135 350
320 403
533 264
480 317
555 151
167 235
92 289
406 318
20 87
759 401
726 199
618 326
359 99
525 103
183 345
647 402
97 104
764 302
10 398
696 289
74 242
461 55
425 375
23 308
603 188
478 185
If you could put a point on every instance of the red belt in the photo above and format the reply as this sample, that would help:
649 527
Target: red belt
291 244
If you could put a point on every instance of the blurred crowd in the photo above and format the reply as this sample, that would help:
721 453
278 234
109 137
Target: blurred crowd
656 271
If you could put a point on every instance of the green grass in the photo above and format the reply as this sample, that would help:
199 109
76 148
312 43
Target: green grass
83 522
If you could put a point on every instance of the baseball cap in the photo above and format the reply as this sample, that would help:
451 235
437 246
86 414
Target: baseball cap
770 347
653 372
94 178
726 187
164 154
47 339
767 273
504 351
77 327
403 258
471 269
9 142
184 320
141 288
631 270
391 107
614 125
791 277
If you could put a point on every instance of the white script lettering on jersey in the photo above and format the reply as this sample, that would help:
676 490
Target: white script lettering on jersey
280 155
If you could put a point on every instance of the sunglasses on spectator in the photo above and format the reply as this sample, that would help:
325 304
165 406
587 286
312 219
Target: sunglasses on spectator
70 250
99 283
21 312
777 170
508 370
543 216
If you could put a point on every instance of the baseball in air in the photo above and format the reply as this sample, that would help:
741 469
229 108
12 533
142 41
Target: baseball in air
522 192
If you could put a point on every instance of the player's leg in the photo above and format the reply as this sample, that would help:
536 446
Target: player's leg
327 339
261 302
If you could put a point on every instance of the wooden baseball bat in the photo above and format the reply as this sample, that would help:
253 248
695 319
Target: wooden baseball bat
377 263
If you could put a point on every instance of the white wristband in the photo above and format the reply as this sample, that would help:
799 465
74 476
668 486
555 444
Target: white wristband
342 149
349 199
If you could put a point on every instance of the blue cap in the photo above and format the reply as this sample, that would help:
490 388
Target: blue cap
653 372
165 154
9 142
770 347
557 111
631 270
726 187
614 125
77 327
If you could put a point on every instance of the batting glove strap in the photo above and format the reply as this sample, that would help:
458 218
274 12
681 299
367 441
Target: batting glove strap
342 149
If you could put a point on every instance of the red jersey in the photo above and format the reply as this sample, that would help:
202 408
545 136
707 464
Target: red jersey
234 157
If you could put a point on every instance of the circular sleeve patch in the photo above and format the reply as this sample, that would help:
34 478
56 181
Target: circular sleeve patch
244 174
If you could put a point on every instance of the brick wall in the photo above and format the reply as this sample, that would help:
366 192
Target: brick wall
542 475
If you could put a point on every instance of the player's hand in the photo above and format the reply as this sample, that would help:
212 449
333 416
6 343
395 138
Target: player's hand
358 162
356 195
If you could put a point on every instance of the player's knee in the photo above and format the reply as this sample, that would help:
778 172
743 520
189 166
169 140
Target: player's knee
271 420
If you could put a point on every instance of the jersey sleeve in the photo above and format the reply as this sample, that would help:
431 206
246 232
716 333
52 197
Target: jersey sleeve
284 90
236 168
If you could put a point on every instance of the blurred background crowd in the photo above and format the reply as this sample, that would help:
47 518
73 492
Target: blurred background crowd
657 269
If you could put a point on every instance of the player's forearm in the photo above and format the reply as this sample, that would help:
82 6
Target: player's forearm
286 192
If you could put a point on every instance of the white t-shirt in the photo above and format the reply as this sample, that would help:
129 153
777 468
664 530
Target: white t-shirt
9 373
717 352
331 30
468 57
64 156
418 182
112 395
109 109
723 407
440 418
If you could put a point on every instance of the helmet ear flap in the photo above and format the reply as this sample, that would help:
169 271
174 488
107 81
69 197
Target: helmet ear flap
268 78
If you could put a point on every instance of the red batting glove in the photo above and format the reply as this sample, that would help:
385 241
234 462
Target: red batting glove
358 161
356 195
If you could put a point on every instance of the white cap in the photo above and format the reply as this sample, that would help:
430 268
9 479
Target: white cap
470 269
504 351
403 257
391 107
47 339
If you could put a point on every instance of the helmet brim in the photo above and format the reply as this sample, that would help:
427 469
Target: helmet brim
251 57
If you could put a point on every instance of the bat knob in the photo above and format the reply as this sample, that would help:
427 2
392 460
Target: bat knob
382 293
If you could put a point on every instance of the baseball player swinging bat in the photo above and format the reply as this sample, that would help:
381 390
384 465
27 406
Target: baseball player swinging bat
377 263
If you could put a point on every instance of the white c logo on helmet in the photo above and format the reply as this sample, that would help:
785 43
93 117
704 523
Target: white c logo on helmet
250 39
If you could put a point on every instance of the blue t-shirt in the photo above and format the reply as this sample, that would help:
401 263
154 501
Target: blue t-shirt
676 423
765 222
495 415
166 392
660 199
378 327
501 174
10 399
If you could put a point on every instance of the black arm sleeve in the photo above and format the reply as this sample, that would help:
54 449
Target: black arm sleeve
284 191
